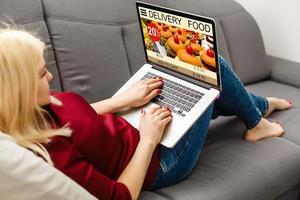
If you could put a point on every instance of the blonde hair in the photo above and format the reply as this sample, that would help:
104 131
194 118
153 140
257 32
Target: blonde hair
21 55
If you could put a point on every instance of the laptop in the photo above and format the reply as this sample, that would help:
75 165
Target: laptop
181 48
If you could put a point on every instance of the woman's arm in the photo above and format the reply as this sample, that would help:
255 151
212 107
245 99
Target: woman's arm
134 174
111 105
152 126
137 95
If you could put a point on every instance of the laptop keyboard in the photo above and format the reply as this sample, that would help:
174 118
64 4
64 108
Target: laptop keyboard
179 98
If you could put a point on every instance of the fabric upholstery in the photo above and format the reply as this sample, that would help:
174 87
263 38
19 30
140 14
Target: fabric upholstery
284 71
231 168
97 47
246 47
94 52
29 15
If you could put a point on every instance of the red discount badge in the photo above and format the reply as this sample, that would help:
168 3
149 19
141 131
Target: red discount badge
153 32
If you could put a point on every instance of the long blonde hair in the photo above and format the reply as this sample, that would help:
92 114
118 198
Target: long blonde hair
21 55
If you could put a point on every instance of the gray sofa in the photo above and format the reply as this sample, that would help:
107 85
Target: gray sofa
94 47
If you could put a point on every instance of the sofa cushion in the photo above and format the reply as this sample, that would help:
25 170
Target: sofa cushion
207 7
29 15
92 60
150 195
246 46
284 71
86 62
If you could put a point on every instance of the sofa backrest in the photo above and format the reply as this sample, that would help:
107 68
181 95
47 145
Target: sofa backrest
97 44
94 44
29 15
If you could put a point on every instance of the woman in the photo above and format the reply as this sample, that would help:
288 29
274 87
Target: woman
99 150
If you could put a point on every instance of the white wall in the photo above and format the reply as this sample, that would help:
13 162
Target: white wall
279 22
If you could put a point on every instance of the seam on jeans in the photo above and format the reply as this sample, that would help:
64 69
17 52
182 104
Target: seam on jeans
163 167
180 154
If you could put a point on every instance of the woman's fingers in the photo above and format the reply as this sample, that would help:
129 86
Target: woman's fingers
154 109
164 113
155 85
152 80
167 120
159 112
152 94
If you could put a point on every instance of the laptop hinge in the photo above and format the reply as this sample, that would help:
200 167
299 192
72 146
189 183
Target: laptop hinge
176 74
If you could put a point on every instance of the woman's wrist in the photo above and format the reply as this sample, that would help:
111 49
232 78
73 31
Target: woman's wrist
123 101
148 143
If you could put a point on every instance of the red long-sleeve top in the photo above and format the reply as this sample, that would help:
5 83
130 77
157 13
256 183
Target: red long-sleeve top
99 149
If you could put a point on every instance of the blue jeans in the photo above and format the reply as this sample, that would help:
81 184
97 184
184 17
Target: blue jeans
178 162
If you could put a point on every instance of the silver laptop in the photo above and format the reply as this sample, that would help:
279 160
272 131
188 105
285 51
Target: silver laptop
181 48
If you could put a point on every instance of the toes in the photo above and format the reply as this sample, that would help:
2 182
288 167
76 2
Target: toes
277 104
284 104
289 103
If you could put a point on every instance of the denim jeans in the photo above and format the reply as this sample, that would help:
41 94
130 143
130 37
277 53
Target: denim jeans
177 163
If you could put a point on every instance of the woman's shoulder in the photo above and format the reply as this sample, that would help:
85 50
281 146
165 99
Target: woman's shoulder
66 95
67 99
70 105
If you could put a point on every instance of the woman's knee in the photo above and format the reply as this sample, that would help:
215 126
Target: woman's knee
223 64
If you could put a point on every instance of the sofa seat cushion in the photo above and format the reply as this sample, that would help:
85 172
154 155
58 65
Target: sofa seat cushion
236 169
232 168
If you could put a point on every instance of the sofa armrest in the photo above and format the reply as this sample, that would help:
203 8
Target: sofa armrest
26 176
284 71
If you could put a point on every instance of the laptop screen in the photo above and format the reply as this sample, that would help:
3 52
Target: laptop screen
181 42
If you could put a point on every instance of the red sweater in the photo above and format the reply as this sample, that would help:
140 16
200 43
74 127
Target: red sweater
99 149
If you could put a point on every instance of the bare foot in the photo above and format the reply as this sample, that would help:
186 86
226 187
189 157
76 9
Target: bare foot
264 129
277 104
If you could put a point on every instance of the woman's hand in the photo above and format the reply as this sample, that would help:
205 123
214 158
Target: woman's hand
142 92
153 123
137 95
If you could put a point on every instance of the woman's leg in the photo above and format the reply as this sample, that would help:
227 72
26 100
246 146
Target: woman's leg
176 163
272 104
260 102
235 100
